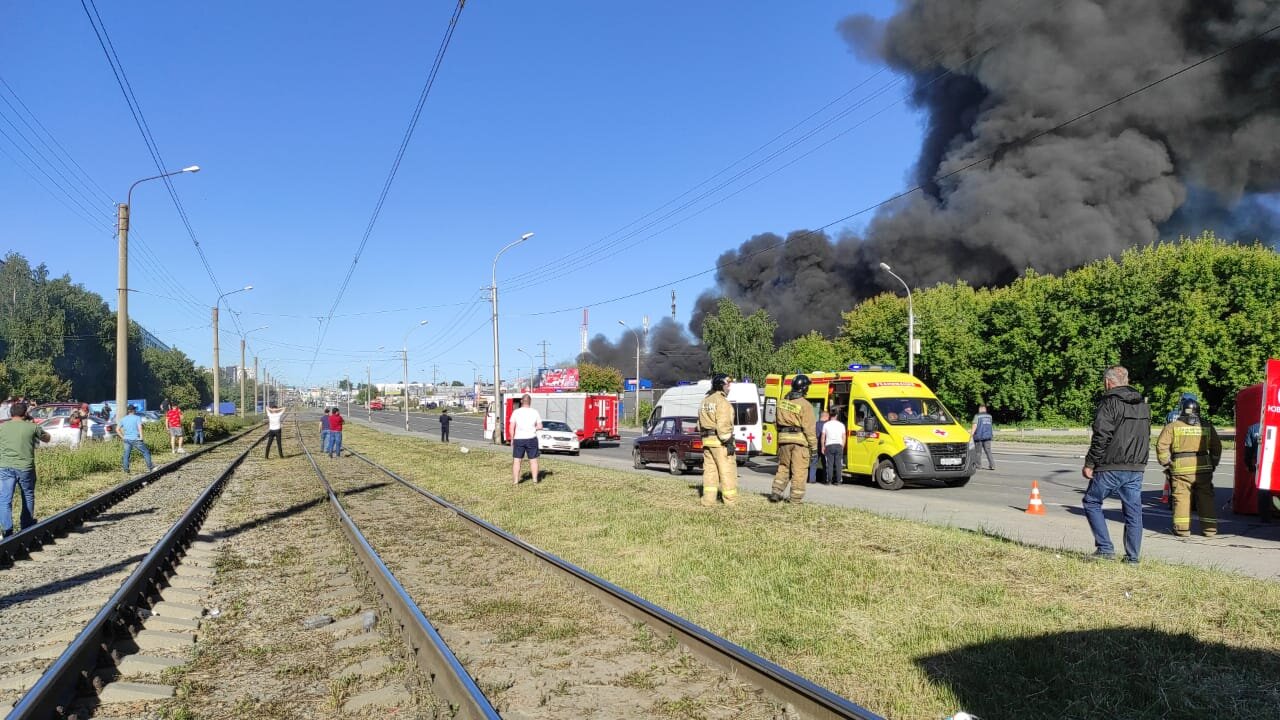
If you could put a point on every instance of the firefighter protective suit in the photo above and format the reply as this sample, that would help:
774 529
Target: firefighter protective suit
715 424
797 440
1189 453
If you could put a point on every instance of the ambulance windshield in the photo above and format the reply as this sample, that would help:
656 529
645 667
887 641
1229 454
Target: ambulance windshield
913 411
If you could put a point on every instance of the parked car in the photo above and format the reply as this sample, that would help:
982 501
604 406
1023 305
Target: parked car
62 433
376 405
675 441
556 436
42 413
150 416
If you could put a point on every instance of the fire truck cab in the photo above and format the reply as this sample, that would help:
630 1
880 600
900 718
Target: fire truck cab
898 429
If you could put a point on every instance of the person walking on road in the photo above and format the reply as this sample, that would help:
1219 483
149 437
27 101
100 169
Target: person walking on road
335 432
18 440
197 428
525 424
1117 456
130 430
173 418
816 458
324 430
1189 449
832 439
983 431
275 420
796 441
715 425
445 419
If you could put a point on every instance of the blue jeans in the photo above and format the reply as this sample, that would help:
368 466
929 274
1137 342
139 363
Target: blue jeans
199 437
335 442
129 446
1127 485
25 479
324 441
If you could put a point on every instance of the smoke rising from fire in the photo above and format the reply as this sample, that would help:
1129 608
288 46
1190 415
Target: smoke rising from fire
1196 152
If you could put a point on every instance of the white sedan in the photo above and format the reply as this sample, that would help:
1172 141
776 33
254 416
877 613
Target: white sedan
61 432
556 436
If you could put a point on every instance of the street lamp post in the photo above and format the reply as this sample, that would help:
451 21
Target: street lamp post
633 332
244 335
217 369
405 350
122 290
497 366
911 321
531 362
256 385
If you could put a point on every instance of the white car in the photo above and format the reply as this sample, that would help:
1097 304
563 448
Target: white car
556 436
61 432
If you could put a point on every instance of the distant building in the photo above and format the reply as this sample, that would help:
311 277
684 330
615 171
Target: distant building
151 341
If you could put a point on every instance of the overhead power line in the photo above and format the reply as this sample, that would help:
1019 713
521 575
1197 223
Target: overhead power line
937 180
391 177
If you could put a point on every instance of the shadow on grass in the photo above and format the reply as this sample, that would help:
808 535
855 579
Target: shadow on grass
1118 673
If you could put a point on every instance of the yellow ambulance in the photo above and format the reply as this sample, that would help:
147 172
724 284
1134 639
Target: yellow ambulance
898 429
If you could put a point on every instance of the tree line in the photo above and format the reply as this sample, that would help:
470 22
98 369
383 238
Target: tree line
1198 315
58 342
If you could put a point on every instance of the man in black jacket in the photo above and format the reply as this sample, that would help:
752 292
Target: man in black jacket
1117 457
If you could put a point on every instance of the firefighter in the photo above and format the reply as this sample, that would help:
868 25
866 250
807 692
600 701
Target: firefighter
796 441
1189 449
715 423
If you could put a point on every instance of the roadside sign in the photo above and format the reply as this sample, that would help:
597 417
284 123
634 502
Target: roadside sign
1268 463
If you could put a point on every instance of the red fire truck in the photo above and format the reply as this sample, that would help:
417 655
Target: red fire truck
593 416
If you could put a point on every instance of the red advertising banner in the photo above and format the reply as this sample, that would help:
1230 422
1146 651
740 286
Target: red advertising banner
1268 462
560 379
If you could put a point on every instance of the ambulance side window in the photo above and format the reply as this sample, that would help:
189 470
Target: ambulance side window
771 410
867 421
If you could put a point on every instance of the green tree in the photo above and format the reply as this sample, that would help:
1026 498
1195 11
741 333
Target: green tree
456 383
177 379
594 378
808 353
36 380
741 346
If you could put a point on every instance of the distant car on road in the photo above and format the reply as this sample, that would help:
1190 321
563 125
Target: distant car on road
675 441
376 405
556 436
62 433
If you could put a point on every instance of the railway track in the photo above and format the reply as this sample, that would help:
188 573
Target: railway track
505 629
103 590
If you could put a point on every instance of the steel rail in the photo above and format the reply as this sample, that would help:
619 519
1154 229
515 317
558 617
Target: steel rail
54 693
46 531
449 679
810 699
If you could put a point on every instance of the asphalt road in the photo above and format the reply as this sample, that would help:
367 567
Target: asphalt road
994 501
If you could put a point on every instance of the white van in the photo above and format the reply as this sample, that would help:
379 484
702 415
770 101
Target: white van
685 400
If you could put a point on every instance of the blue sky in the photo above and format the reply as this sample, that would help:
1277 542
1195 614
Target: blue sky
567 119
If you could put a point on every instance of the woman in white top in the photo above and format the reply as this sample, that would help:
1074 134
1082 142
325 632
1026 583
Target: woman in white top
275 416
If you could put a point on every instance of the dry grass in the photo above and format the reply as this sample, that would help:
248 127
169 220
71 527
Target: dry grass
910 620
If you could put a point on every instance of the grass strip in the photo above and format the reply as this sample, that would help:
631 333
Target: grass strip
913 621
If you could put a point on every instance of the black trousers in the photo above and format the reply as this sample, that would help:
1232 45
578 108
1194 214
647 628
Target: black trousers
444 433
274 435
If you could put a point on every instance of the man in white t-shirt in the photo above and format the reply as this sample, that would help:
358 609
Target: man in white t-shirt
525 424
832 442
275 417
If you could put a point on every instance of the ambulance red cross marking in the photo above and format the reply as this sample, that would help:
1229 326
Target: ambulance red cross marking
940 432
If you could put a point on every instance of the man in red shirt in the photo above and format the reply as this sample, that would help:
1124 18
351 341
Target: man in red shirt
173 418
335 433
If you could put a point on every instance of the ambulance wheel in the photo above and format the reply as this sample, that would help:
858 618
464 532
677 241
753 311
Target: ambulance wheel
886 476
674 464
956 482
636 462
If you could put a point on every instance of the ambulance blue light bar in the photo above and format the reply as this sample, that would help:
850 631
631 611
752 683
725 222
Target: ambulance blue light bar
856 367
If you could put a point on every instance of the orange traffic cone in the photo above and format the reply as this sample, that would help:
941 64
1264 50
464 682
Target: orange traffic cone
1034 506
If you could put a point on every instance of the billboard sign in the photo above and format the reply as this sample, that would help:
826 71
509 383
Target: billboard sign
559 379
1268 462
629 384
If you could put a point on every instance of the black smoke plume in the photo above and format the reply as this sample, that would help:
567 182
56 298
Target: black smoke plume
1199 151
668 357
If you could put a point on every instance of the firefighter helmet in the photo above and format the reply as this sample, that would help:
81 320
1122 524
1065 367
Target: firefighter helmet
800 384
1190 411
718 381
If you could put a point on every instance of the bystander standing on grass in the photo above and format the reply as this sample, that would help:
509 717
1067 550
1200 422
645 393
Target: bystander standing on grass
197 428
18 440
130 430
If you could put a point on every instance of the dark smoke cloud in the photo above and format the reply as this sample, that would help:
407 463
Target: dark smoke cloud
1198 151
668 357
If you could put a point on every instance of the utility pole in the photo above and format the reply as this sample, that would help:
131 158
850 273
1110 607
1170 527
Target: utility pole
544 352
256 392
242 373
368 393
673 304
348 392
217 371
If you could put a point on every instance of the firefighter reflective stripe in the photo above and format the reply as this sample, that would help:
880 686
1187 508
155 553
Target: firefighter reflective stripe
791 421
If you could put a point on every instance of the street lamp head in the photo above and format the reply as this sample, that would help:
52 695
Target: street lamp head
191 169
526 236
885 267
248 287
424 322
622 323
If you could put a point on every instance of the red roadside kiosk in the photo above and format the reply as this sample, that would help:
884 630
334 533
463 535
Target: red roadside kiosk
1258 404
